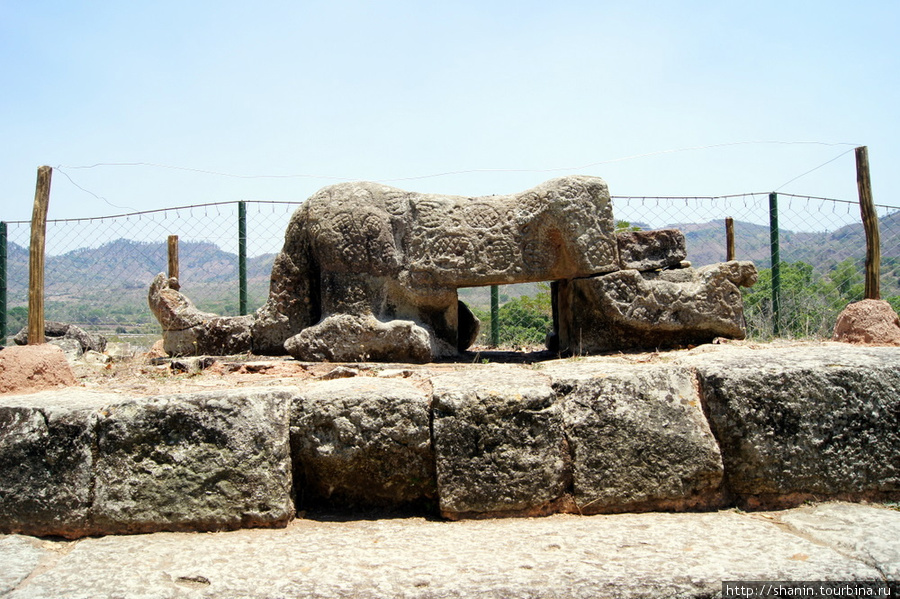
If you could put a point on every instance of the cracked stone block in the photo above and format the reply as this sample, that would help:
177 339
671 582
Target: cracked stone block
499 443
639 438
804 422
207 461
363 442
46 462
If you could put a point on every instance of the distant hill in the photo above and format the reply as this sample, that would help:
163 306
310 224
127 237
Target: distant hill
706 243
108 284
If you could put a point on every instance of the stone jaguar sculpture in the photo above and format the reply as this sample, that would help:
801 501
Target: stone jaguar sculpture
370 272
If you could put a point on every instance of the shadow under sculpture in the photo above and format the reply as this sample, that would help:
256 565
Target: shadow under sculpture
371 272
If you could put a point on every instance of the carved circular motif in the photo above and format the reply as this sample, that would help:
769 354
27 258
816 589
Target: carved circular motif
451 251
343 223
481 216
500 253
537 254
430 213
571 190
372 226
396 202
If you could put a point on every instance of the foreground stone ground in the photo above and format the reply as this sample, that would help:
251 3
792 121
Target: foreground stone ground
624 556
659 554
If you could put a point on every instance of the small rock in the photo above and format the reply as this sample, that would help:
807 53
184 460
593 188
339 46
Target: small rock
389 373
119 351
56 330
95 358
341 372
33 367
872 322
192 365
70 347
157 351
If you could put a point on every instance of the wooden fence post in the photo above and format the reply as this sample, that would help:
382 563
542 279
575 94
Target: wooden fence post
36 256
729 239
870 224
173 256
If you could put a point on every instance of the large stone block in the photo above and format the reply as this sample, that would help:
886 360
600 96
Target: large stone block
802 422
629 309
76 463
638 437
499 443
47 461
208 461
363 442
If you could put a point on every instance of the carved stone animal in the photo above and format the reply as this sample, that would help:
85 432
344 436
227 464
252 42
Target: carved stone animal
370 272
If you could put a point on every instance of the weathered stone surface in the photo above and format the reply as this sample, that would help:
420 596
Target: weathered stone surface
120 351
866 532
651 250
188 332
363 442
872 322
62 330
629 309
499 442
33 367
20 557
381 254
47 461
213 461
74 462
349 338
70 348
626 556
638 438
794 423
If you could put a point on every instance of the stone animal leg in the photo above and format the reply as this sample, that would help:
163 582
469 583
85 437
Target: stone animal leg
189 332
369 318
362 338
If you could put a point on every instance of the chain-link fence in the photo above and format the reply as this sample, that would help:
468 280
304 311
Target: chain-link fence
98 270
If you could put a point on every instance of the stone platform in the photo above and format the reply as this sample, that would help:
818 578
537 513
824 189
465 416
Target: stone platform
624 556
718 426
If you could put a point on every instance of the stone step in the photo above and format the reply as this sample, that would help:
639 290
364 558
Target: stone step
701 430
627 556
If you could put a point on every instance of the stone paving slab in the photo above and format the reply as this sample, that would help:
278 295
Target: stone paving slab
654 555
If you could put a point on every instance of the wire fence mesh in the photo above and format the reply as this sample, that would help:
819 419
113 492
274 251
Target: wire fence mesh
98 270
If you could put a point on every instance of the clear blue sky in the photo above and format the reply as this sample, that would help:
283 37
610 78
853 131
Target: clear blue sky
392 90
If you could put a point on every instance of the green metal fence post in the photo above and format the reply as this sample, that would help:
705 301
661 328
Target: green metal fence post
776 264
242 257
2 284
495 315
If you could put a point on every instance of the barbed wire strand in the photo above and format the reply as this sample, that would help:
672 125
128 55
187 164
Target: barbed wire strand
461 171
62 168
815 169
